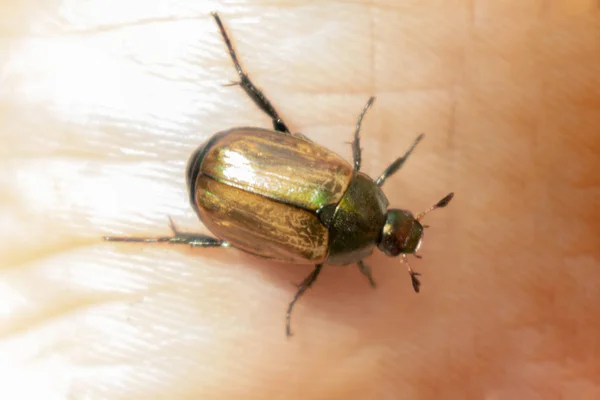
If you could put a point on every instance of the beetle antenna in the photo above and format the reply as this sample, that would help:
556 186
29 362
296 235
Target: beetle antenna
440 204
413 275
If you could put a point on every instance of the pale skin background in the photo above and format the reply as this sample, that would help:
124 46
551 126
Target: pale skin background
101 103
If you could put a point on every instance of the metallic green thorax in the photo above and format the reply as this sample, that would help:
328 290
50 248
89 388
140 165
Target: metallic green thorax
356 223
401 233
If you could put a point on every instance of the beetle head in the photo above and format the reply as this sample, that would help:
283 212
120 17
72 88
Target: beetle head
402 232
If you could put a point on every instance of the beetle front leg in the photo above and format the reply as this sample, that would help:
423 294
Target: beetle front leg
251 90
306 283
191 239
366 271
356 150
398 163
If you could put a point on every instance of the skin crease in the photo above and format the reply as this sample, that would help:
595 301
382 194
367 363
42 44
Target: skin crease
102 102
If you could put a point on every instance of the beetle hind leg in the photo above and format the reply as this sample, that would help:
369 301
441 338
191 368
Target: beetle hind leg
366 271
191 239
251 90
306 283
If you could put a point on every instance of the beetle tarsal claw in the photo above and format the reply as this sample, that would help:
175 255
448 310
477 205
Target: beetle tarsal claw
288 329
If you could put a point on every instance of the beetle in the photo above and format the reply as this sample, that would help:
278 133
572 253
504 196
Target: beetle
278 195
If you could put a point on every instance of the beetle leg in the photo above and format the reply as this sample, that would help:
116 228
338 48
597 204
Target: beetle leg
251 90
396 165
306 283
356 150
191 239
366 271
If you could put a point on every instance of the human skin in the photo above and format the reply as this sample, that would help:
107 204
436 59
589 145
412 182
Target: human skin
102 102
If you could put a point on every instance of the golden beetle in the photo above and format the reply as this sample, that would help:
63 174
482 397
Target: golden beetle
278 195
